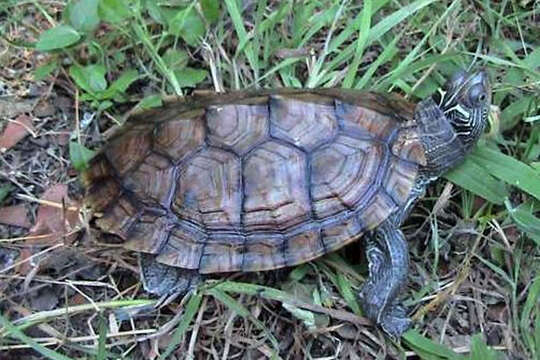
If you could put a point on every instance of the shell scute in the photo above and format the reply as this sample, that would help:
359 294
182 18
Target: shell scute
399 179
152 180
301 121
238 127
304 245
263 252
184 247
149 234
408 146
336 235
119 217
209 190
364 121
342 172
180 137
378 210
127 150
275 188
222 253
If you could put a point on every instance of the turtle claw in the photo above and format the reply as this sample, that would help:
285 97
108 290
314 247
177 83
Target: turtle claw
395 321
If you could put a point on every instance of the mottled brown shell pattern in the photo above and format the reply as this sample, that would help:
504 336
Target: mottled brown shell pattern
246 182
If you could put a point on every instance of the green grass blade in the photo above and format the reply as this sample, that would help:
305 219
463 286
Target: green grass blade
506 168
191 309
365 24
527 315
424 345
477 180
244 44
525 220
49 354
241 310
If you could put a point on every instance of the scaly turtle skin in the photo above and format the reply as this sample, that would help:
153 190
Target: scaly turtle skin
252 181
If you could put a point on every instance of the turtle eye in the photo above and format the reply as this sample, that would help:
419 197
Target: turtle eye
477 95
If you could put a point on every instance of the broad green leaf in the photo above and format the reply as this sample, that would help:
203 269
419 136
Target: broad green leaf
476 179
120 85
506 168
83 15
150 101
533 59
90 78
113 11
155 11
188 25
42 71
424 345
58 37
175 59
190 77
210 10
79 155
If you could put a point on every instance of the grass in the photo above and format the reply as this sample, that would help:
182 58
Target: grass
475 259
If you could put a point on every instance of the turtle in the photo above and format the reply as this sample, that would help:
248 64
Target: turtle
265 179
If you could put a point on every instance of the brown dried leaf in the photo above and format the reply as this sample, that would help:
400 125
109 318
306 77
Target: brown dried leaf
53 219
15 215
15 131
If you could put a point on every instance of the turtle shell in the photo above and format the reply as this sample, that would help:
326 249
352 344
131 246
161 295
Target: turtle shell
255 181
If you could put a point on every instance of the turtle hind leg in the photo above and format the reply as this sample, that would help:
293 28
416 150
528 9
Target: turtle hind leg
388 257
164 280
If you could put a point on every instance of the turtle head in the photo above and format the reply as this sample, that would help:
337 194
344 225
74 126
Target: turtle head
465 100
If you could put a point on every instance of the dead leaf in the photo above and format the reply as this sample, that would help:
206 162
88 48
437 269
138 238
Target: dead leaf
15 215
57 216
15 131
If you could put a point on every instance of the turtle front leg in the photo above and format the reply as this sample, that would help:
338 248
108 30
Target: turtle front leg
388 257
164 280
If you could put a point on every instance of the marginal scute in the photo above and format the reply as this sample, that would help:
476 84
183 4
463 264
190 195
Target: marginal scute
238 127
180 138
128 149
364 121
408 146
305 245
263 252
152 180
342 173
399 180
275 188
208 192
184 248
222 253
378 210
119 218
341 233
305 124
98 170
149 234
102 194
